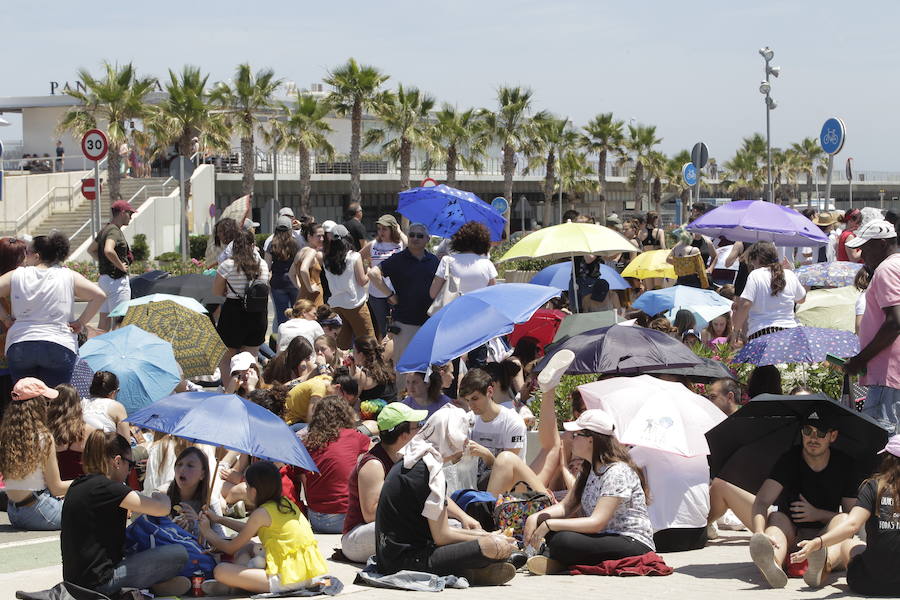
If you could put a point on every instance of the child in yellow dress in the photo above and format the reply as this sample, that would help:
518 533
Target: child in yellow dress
293 559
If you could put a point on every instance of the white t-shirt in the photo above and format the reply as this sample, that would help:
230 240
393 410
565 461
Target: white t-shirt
345 290
43 301
237 279
506 430
95 412
474 271
721 255
861 303
292 328
768 310
679 485
228 250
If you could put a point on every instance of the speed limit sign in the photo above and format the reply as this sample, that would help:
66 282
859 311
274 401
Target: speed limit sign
94 144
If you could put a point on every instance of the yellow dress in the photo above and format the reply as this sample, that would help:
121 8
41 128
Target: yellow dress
292 552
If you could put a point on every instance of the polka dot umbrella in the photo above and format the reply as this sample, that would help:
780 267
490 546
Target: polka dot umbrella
798 345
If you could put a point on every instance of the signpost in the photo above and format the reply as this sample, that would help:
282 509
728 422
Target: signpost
181 170
831 139
699 158
94 146
850 178
90 189
500 205
1 171
689 175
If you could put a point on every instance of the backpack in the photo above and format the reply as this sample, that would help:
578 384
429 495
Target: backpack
255 297
478 505
149 532
513 508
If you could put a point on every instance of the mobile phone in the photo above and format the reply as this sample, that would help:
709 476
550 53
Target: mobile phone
835 360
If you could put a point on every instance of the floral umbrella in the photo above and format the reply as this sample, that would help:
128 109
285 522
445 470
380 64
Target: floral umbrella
828 274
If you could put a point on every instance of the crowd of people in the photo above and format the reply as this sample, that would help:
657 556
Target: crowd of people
411 465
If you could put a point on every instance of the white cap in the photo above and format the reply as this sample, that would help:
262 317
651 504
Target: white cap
250 224
873 230
328 226
286 212
595 419
241 361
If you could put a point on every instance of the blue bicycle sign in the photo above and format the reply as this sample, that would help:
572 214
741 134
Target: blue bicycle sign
832 136
689 174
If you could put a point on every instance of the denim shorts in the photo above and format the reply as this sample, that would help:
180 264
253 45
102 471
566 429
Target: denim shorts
883 404
44 514
326 523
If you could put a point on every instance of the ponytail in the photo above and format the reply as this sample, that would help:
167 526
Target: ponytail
764 254
99 448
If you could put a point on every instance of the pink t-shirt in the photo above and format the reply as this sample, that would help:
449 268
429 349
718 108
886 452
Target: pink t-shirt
883 291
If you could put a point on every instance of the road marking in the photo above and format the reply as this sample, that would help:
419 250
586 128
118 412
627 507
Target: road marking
30 542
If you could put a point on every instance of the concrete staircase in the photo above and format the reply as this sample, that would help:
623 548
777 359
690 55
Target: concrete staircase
70 222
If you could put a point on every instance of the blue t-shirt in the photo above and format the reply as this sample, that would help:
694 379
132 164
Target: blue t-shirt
411 278
431 408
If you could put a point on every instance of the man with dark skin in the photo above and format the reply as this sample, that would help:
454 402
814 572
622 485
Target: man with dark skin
880 324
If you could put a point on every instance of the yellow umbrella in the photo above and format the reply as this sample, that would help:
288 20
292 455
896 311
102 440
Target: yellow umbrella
832 308
568 240
648 265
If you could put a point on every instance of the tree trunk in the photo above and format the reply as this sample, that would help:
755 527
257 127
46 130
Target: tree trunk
509 167
657 194
809 187
639 186
601 176
405 159
451 165
185 146
355 139
248 165
305 186
549 179
685 204
113 174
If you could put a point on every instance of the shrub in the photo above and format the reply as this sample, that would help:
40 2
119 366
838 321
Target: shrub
198 246
139 248
168 257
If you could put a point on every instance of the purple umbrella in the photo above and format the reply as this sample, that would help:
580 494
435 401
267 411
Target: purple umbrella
798 345
759 221
82 376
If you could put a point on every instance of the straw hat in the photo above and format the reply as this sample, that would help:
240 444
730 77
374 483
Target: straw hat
824 219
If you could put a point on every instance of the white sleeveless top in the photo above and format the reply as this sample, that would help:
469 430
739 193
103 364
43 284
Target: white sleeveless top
96 414
43 301
33 482
345 290
379 251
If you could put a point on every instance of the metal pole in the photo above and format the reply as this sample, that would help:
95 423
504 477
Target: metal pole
574 284
275 182
828 180
816 177
559 177
771 192
881 199
185 254
95 213
850 183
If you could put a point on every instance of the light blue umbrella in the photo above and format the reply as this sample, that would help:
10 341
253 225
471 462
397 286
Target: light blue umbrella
471 320
145 364
122 308
560 276
679 296
228 421
444 210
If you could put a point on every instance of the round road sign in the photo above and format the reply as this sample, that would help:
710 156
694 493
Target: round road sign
94 144
832 136
429 182
500 205
689 174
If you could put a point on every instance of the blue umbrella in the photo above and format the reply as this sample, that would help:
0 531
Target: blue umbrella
471 320
444 210
144 364
560 276
798 345
678 296
228 421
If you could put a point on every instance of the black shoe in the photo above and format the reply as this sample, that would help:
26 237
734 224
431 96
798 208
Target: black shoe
517 559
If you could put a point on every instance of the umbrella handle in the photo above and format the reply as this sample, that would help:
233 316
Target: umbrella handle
212 482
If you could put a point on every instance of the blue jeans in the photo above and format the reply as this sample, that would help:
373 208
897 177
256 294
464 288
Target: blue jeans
325 523
883 404
44 514
146 568
283 299
379 309
48 361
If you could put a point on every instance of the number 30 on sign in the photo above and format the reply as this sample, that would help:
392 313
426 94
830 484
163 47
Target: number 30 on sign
94 144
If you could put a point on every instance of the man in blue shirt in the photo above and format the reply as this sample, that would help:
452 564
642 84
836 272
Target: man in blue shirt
411 273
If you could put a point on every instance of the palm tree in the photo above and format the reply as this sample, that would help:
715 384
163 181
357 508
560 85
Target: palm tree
640 142
118 97
355 89
187 113
242 102
576 175
305 131
744 179
603 136
510 129
657 166
546 136
808 153
406 127
458 139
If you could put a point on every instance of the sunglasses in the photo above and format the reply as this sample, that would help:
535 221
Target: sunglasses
417 236
809 431
131 463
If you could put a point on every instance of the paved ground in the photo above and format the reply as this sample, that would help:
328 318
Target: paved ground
722 570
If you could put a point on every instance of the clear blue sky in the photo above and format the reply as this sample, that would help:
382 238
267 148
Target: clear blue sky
691 68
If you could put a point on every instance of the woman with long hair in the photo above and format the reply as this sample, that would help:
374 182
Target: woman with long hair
871 565
328 354
280 257
306 271
374 375
65 420
295 364
12 256
717 330
611 493
300 320
189 489
41 337
347 281
851 219
93 526
389 240
102 410
652 237
767 303
240 330
335 445
224 233
28 459
422 394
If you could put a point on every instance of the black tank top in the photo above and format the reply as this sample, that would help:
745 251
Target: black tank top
704 254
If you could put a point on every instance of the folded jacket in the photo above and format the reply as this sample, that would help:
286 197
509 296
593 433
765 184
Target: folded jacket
645 564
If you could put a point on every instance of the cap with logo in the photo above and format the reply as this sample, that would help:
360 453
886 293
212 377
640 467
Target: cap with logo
873 230
820 422
396 413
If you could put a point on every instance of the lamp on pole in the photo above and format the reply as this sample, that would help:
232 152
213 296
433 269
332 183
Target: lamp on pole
765 88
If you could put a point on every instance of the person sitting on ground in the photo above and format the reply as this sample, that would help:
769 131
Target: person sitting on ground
65 420
244 375
412 531
397 424
611 493
717 331
725 393
327 352
335 445
727 291
189 490
801 390
765 379
428 396
508 383
301 321
871 566
93 526
102 410
375 377
28 459
810 484
294 365
346 386
685 322
293 559
303 396
662 324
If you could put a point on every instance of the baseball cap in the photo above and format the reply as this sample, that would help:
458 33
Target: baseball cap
250 224
893 446
873 230
30 387
328 226
595 419
339 231
820 422
241 361
283 222
396 413
121 205
286 212
387 221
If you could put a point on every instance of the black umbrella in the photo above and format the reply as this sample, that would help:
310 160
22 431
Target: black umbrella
193 285
141 284
622 350
707 371
744 447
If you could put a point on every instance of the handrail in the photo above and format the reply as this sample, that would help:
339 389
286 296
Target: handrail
39 205
143 187
74 235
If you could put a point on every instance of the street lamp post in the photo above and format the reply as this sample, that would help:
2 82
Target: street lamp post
765 88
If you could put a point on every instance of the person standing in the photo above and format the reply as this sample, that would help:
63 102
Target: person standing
880 324
388 241
348 283
60 156
852 219
280 258
355 227
113 255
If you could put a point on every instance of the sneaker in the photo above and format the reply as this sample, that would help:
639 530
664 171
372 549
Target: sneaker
712 531
555 369
763 554
815 570
237 510
544 565
495 574
211 587
177 586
